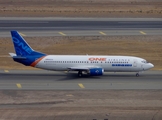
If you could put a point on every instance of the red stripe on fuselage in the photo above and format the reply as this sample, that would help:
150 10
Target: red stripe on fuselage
36 61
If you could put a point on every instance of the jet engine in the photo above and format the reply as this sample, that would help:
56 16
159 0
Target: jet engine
96 71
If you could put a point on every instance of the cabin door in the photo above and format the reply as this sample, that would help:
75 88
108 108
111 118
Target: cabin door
135 63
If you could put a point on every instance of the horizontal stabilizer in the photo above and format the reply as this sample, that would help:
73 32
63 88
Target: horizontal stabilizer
12 54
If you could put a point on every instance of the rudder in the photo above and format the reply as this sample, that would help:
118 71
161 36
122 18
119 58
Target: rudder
21 46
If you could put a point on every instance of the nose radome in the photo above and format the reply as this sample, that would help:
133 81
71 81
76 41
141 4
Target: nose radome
148 66
151 65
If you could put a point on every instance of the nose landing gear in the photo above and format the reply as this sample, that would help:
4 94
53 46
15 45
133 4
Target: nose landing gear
137 74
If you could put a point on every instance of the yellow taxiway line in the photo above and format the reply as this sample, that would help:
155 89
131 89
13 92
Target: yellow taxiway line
81 85
18 85
61 33
142 32
102 33
22 34
6 71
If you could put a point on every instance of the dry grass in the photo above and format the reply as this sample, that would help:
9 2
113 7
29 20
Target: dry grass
148 47
82 8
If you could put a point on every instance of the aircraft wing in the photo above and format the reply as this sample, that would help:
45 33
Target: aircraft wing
81 68
91 70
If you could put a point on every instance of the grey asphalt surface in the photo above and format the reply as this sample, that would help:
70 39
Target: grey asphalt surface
81 26
50 80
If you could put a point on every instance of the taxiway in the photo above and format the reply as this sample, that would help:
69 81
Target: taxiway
50 80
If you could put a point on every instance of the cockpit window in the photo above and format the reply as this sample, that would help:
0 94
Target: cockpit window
144 61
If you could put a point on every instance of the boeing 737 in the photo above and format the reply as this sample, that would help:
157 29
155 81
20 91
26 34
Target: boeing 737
92 65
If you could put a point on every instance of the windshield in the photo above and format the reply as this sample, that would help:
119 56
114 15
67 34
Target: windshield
144 61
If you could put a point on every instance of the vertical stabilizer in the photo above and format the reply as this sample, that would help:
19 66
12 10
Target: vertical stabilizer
24 53
21 46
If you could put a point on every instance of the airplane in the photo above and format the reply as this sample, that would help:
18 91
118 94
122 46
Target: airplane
93 65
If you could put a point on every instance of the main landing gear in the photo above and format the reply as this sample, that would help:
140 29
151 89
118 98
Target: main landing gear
137 74
80 74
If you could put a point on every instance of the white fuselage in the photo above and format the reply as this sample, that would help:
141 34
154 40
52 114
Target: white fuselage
108 63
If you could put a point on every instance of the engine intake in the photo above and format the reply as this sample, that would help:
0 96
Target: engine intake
96 71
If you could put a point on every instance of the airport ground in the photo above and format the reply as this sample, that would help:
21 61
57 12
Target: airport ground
82 104
81 8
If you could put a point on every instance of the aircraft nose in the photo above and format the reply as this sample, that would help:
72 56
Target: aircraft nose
151 65
148 66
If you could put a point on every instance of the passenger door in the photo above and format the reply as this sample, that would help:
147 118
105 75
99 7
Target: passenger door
135 63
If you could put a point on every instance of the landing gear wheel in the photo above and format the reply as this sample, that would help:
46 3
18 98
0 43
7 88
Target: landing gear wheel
137 74
80 74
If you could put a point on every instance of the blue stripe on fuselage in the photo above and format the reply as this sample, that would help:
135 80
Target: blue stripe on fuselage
122 65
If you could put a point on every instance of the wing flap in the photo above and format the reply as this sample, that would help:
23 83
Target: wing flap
81 68
78 68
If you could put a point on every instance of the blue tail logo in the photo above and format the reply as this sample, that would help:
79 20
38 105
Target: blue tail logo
24 53
21 46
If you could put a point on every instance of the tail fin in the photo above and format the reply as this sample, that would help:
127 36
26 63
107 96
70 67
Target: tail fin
21 46
24 53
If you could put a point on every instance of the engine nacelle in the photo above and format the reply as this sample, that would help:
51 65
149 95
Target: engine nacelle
96 71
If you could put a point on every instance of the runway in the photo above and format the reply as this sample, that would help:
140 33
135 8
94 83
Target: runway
50 80
81 26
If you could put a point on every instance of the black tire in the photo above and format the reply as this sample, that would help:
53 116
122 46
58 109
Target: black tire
137 74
